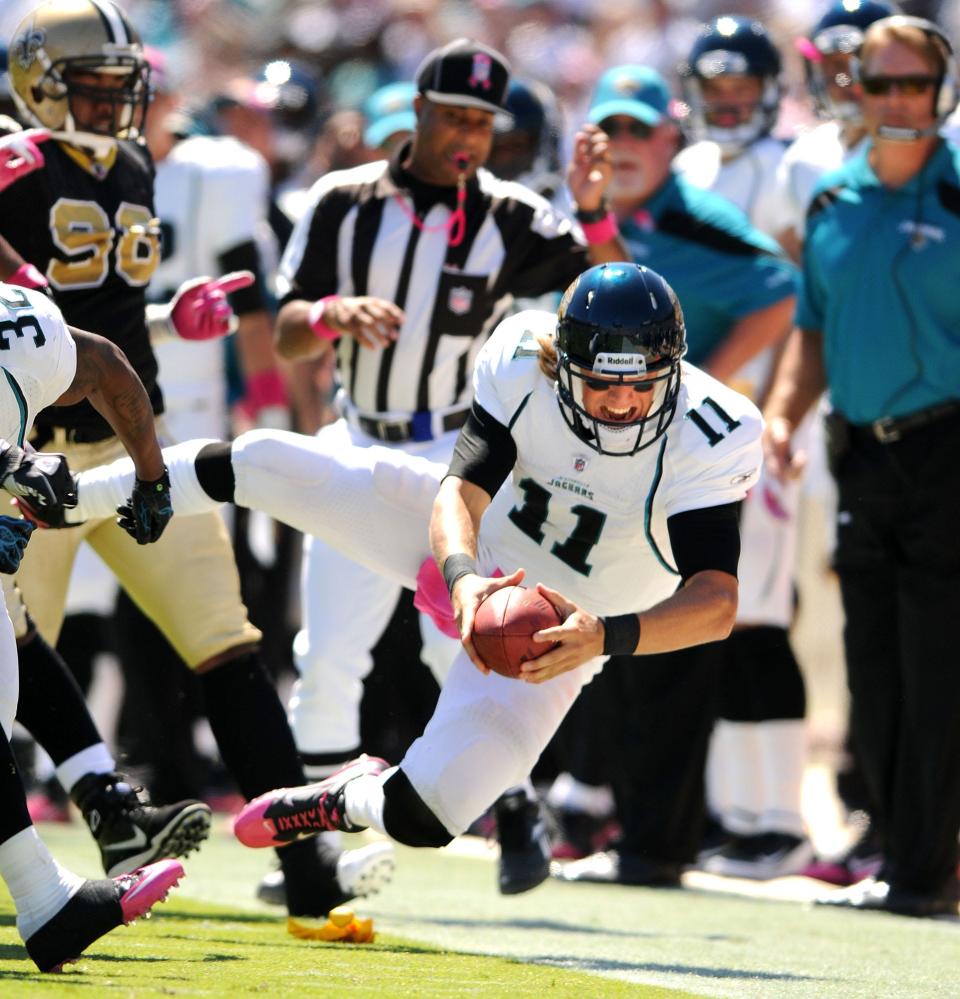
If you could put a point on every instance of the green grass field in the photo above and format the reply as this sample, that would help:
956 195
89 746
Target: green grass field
444 931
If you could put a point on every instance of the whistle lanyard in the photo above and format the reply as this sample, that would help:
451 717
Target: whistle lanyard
455 226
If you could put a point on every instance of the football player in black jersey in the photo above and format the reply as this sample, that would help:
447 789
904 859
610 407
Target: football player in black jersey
85 220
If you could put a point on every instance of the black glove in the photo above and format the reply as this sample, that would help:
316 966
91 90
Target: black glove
145 514
42 483
14 535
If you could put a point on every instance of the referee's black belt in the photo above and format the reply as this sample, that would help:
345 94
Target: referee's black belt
893 428
418 428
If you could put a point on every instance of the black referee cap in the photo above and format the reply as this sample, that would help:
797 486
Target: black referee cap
466 74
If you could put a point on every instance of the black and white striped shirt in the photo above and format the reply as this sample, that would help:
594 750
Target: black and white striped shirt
357 238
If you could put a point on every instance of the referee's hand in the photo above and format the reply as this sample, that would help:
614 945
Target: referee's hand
374 322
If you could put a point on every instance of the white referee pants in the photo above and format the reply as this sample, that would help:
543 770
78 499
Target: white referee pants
346 607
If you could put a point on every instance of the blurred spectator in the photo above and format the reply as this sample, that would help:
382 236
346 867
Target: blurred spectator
732 87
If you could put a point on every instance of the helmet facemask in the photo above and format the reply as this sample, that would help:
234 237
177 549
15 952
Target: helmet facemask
837 39
618 437
60 41
734 138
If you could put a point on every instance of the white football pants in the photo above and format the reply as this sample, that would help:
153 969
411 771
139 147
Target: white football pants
375 504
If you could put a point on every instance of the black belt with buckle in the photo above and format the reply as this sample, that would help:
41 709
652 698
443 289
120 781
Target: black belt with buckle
419 428
892 428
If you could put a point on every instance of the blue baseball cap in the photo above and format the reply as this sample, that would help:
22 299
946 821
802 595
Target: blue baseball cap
389 110
638 91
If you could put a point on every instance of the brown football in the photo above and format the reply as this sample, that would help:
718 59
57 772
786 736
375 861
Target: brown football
504 625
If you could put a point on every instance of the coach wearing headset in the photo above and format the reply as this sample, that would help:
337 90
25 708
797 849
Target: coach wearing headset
877 323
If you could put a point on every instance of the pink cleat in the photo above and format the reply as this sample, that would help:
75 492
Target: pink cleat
97 908
291 813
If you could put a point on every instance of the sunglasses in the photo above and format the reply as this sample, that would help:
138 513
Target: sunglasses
909 86
604 385
634 127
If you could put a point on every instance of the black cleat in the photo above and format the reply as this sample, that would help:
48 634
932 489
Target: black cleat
524 842
96 909
130 833
761 857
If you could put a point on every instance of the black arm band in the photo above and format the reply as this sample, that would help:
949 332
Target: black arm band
621 634
245 257
455 567
594 215
704 539
485 452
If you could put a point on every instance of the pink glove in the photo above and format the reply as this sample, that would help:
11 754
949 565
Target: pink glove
200 310
20 154
433 600
27 276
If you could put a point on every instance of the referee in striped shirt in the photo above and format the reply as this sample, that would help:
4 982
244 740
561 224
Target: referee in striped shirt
404 267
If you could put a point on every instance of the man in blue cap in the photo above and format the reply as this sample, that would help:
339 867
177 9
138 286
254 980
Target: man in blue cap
390 117
737 290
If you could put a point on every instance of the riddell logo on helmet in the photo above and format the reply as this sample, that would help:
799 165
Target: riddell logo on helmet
633 364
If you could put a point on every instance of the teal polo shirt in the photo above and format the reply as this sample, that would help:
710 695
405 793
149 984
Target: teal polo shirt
881 281
720 266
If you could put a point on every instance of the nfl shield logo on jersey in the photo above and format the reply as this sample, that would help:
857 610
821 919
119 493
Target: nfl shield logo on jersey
580 463
460 301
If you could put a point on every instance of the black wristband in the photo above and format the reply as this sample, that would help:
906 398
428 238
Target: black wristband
455 566
594 215
621 634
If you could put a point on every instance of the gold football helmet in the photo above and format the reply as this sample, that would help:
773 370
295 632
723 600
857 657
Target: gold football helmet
62 39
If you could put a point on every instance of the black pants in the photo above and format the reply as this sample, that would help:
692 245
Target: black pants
898 558
656 727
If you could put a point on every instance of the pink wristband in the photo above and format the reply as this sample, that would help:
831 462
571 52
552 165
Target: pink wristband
265 388
27 276
316 320
602 231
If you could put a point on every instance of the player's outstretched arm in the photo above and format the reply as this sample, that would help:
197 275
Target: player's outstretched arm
453 540
106 379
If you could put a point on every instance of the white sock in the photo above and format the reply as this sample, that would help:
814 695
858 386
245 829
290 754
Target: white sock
92 760
101 490
737 748
364 800
40 887
571 795
783 760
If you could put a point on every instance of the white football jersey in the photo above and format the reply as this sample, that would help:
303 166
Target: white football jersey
748 180
810 156
594 526
211 195
38 358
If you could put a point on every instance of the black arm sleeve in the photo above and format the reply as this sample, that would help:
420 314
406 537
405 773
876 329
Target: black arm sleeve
708 538
485 453
245 257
